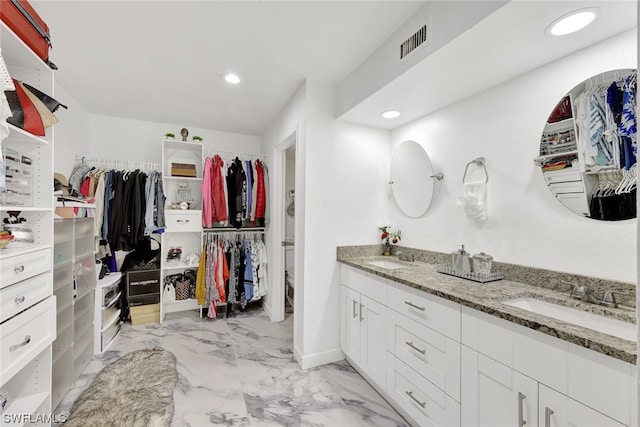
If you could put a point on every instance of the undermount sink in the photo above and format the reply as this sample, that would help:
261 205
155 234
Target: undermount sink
596 322
389 265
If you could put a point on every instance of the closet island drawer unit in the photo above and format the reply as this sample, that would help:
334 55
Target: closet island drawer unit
178 220
26 335
24 266
22 295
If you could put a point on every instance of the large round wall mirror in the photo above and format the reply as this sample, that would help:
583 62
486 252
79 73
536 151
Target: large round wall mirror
589 146
411 178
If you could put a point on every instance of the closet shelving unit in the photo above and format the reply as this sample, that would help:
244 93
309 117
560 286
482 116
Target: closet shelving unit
183 227
27 304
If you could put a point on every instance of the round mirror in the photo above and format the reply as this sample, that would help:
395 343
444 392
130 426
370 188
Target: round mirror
411 181
589 145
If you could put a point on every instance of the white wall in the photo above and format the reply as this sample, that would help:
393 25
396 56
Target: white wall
119 138
290 121
347 166
526 225
71 132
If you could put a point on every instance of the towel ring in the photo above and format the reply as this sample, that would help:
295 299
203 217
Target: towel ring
478 162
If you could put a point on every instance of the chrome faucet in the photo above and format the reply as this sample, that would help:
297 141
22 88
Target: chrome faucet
581 292
609 300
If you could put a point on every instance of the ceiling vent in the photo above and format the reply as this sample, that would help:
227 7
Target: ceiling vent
413 42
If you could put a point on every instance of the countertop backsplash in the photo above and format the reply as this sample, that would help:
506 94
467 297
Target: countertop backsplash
548 279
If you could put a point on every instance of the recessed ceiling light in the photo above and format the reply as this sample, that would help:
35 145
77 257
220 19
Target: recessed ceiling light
572 22
391 114
231 78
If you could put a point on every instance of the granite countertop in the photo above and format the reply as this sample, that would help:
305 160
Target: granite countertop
489 298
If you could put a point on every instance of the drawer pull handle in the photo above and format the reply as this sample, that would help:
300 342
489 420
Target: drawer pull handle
183 220
354 308
361 317
26 341
521 421
410 394
419 350
547 416
410 304
20 300
18 269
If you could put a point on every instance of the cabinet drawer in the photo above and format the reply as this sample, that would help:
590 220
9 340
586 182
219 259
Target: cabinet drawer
62 230
84 246
109 335
437 313
429 353
567 187
81 359
23 266
179 220
562 176
364 283
63 276
107 313
62 343
20 296
85 275
109 293
84 227
24 336
61 377
64 296
420 399
83 315
577 202
62 252
64 316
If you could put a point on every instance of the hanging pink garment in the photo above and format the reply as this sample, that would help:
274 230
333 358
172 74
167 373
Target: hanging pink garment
207 204
217 191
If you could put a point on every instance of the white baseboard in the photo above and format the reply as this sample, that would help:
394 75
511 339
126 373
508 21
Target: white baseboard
313 360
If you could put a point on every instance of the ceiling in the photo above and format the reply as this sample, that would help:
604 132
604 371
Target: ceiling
508 43
162 61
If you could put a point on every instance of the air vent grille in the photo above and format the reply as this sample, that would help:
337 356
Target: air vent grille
413 42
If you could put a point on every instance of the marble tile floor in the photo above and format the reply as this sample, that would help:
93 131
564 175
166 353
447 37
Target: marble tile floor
241 372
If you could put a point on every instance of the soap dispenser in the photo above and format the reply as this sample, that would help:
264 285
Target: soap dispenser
461 261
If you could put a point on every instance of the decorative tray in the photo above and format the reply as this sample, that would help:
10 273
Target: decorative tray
482 278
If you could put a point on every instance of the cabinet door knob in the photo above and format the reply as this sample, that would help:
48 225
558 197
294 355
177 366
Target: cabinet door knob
27 340
410 394
19 300
521 421
18 269
411 304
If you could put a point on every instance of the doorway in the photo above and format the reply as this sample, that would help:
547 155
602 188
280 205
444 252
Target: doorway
289 227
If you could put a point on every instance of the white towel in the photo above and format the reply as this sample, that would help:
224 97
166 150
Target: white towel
473 200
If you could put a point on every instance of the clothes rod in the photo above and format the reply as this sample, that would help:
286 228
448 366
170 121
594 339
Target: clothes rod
125 164
209 151
234 230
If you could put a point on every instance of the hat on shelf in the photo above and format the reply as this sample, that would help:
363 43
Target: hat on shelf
60 182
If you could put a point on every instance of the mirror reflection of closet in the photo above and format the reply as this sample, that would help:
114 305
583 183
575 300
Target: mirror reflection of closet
589 145
411 179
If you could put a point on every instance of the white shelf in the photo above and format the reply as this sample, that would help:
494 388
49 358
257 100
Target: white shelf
72 204
24 405
180 305
24 209
179 266
17 54
11 252
196 147
181 178
22 136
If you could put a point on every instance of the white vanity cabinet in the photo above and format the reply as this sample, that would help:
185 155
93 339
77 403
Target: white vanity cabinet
363 323
572 385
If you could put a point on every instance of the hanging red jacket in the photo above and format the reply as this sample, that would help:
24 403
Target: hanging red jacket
261 196
219 203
